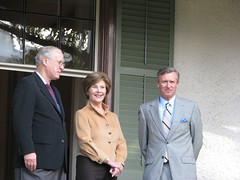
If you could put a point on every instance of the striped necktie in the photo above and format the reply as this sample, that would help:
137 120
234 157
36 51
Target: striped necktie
167 117
167 125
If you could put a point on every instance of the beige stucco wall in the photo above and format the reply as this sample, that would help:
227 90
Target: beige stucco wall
207 54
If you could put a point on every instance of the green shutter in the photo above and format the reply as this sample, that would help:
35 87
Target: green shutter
134 90
145 45
131 93
145 36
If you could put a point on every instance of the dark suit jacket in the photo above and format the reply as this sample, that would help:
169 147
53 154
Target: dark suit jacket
38 125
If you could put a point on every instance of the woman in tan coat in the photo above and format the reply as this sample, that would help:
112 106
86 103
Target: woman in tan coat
101 142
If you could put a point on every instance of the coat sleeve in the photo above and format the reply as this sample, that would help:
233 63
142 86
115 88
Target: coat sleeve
196 131
142 132
121 149
23 112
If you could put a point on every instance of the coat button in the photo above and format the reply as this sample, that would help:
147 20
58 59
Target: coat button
62 141
109 142
109 133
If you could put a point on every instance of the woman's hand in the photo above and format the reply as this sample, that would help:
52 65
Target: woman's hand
116 167
115 171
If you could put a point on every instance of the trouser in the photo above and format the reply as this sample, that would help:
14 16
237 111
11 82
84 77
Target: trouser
39 174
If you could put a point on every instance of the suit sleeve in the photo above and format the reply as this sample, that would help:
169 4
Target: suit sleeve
121 149
196 131
142 132
23 112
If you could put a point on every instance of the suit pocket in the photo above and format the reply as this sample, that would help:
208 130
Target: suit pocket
188 160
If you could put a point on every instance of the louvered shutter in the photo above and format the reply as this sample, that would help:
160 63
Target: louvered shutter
145 45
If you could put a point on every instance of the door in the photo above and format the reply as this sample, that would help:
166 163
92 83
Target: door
72 98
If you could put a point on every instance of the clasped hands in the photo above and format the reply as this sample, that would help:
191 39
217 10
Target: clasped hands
116 167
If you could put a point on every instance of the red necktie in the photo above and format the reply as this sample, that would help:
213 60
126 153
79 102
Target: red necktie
53 96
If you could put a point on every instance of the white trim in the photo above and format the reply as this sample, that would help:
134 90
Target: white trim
96 34
31 68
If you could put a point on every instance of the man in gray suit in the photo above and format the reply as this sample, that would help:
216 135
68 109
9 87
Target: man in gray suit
170 132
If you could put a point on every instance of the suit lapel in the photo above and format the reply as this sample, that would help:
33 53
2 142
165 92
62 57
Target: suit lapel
46 93
177 114
154 111
59 101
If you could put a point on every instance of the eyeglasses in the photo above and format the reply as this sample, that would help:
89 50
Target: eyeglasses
60 63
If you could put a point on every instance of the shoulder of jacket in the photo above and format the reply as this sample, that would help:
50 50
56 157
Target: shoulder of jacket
149 103
185 101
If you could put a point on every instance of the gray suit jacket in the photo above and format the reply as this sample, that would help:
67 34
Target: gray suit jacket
182 143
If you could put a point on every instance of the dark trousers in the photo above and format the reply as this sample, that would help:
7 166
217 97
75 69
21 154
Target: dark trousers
39 174
86 169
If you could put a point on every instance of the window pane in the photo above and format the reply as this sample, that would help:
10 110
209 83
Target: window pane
43 6
39 33
27 25
11 5
78 8
11 37
77 42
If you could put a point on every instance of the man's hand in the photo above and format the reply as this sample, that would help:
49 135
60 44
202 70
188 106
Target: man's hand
30 161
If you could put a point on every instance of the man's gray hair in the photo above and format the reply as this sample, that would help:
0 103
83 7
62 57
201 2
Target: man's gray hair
45 51
166 70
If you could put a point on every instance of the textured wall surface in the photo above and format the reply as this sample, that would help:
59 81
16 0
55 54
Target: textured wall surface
207 54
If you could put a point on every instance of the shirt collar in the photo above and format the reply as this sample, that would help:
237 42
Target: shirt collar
162 101
41 77
105 107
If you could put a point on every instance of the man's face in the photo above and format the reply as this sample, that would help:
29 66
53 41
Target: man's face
167 84
55 66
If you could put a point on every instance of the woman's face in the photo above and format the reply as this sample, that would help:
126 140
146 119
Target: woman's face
97 92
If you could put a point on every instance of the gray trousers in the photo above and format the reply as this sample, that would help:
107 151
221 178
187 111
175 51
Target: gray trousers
166 172
39 174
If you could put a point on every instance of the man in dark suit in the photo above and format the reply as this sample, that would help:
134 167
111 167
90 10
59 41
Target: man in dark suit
170 132
38 121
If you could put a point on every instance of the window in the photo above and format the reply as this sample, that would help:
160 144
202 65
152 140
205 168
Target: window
27 25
